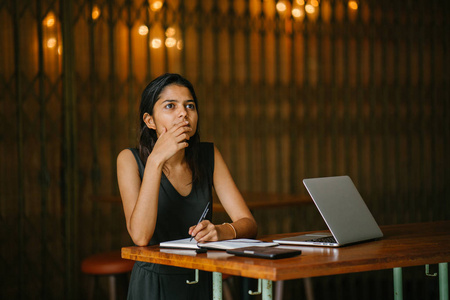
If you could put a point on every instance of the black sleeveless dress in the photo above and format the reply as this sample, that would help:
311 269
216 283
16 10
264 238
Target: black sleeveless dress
176 214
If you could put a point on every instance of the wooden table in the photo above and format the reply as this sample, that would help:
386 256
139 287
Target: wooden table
402 246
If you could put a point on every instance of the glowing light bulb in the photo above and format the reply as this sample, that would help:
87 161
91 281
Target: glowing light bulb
143 30
309 9
170 42
180 45
50 20
170 32
157 5
315 3
156 43
281 7
95 12
353 4
297 13
51 43
300 2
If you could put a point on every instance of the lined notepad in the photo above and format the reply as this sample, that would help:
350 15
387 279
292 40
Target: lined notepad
219 245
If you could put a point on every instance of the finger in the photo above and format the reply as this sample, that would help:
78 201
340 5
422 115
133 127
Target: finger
163 131
182 131
196 229
179 125
207 232
190 230
207 235
182 138
202 228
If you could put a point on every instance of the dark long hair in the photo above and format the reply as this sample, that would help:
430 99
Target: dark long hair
148 137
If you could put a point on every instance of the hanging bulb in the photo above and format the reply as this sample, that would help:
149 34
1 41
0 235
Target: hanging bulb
50 20
95 12
156 5
143 30
156 43
281 6
51 43
352 4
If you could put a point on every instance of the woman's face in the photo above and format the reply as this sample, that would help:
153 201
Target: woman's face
175 105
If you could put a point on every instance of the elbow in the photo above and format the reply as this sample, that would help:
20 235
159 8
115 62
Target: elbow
140 243
140 239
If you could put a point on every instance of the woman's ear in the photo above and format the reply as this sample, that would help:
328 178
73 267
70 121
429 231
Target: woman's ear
149 121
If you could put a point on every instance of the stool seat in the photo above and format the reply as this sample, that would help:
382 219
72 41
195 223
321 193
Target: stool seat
106 264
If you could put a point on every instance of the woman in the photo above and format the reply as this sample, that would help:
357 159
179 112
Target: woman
166 184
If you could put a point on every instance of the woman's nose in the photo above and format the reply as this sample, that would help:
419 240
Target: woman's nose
182 112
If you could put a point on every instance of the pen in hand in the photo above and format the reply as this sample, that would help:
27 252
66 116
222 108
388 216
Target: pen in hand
202 217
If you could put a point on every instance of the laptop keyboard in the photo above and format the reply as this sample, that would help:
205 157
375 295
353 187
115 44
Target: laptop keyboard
327 239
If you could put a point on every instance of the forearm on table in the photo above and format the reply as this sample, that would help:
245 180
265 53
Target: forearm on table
243 228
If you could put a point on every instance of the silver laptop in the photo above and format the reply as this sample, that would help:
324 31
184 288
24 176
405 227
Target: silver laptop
344 212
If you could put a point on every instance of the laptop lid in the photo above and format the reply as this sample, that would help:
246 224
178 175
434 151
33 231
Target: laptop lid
342 209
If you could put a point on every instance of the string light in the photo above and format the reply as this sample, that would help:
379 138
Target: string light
143 30
95 12
281 7
180 45
170 42
297 12
51 43
309 8
156 43
300 7
170 32
352 4
156 5
50 21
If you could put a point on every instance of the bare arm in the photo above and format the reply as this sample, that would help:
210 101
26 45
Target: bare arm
140 199
234 204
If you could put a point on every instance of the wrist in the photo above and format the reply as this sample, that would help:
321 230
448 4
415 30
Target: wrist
231 229
153 162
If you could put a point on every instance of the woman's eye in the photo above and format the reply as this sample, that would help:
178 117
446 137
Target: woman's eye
190 106
169 106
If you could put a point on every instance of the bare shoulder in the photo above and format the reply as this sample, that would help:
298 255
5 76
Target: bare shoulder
125 154
126 161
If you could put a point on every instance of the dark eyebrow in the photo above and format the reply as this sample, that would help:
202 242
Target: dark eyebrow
170 100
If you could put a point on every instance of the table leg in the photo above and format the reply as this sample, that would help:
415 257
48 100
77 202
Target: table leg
266 289
217 286
443 281
398 285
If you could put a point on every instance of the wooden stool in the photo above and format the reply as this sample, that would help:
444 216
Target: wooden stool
109 264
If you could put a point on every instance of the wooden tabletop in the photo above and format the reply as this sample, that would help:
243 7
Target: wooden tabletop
402 246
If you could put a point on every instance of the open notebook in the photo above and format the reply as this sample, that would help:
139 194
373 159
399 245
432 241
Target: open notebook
220 245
